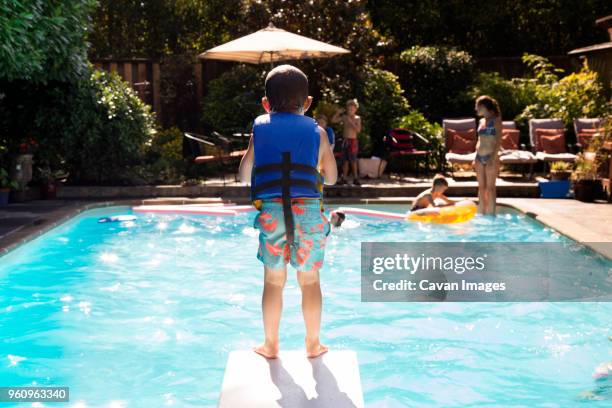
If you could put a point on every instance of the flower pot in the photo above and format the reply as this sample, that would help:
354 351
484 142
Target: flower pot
48 190
4 196
587 190
554 189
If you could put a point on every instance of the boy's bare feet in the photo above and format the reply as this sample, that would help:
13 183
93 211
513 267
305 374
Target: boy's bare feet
266 350
315 348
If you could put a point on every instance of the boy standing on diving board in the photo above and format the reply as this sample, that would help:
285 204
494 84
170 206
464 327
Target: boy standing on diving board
282 164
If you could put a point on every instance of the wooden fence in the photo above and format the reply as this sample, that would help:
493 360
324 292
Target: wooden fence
143 75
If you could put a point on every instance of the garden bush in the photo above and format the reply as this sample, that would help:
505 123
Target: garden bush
163 161
436 80
234 99
578 95
513 95
381 103
432 131
97 127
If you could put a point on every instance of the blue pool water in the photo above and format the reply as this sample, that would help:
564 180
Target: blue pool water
144 313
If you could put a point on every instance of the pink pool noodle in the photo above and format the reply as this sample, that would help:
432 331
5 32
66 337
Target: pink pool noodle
184 209
371 213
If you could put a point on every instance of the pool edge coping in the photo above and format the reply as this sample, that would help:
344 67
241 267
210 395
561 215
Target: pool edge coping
33 230
53 219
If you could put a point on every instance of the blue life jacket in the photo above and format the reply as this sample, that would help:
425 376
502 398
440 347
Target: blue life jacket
286 149
276 136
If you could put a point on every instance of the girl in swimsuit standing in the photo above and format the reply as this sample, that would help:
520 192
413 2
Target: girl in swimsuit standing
486 163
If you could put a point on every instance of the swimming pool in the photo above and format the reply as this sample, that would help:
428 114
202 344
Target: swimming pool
144 314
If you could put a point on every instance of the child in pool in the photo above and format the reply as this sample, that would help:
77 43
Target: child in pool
427 198
292 228
336 218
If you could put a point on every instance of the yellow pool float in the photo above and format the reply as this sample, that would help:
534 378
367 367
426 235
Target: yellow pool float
460 212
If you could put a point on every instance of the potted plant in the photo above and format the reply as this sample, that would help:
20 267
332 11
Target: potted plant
560 170
587 184
50 180
6 184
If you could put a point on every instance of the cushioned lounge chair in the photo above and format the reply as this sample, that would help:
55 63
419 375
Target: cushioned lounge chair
512 152
457 125
400 144
535 124
585 124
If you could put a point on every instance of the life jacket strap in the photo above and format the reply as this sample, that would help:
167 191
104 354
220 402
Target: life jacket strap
285 182
304 168
286 197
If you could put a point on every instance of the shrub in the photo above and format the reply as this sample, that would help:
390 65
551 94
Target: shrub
432 131
382 103
234 99
417 122
512 95
164 157
436 80
97 127
577 95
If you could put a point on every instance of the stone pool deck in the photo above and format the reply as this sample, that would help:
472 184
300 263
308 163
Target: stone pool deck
590 223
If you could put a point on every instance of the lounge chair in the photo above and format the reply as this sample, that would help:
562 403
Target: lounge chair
466 152
512 152
400 144
220 145
562 152
585 129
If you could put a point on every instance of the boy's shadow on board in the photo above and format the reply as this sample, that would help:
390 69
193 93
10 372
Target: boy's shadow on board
293 396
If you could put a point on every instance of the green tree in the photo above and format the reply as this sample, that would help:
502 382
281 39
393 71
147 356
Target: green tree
234 99
343 23
43 40
492 28
156 28
436 80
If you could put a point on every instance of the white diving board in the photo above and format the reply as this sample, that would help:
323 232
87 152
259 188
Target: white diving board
292 381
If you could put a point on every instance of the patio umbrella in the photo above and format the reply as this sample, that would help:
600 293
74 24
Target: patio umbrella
272 44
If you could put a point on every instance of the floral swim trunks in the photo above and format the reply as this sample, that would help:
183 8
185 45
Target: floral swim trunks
311 231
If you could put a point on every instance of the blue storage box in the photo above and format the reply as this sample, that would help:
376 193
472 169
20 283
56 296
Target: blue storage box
554 189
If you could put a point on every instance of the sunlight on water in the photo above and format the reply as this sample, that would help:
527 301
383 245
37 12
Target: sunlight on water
143 313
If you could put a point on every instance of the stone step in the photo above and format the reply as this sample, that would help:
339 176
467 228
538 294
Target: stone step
292 380
458 189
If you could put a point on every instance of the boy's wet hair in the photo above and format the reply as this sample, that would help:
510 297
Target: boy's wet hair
439 180
286 88
321 116
341 217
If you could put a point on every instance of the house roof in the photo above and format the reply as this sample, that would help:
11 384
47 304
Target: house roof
592 48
